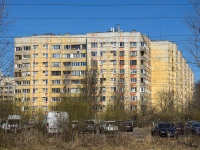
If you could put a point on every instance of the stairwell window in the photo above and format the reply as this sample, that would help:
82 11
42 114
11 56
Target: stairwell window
121 44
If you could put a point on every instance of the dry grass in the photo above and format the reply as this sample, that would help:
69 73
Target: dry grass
35 140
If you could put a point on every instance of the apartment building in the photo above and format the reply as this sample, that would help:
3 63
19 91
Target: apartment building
170 73
49 66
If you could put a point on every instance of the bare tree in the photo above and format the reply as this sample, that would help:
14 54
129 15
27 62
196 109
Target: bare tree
193 22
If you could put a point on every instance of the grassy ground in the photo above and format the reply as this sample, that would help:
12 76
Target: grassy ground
139 140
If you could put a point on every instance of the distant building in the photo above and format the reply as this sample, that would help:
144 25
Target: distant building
49 66
170 73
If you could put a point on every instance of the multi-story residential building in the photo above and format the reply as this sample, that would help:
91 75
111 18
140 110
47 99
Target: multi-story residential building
7 87
170 73
48 65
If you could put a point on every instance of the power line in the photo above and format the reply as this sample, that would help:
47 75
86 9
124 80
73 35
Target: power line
100 5
91 18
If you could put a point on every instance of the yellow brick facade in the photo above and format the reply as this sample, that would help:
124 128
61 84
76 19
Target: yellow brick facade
49 66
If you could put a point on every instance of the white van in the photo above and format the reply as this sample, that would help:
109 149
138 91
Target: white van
55 122
13 124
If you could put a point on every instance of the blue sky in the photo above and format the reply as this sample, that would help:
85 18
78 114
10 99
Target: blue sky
83 16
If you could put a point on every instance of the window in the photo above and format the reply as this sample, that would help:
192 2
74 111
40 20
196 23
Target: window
46 73
24 74
56 73
133 62
26 90
113 44
45 55
26 57
56 47
35 55
67 46
114 62
35 64
46 46
66 55
114 71
133 107
34 99
55 90
133 98
93 53
114 89
35 90
94 45
133 89
102 98
133 80
121 44
45 64
35 47
35 73
133 71
142 44
75 81
121 71
78 63
45 90
57 55
102 62
17 49
121 53
26 82
102 53
35 81
45 81
142 71
55 81
78 73
55 99
142 89
18 91
114 53
55 64
133 53
67 81
25 108
27 48
121 62
121 80
18 82
45 99
25 65
133 44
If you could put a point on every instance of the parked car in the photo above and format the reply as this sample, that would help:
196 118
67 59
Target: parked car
55 122
126 126
163 129
192 127
179 128
13 124
108 127
28 125
89 126
75 125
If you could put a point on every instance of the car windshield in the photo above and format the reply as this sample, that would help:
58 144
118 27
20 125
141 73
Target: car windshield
14 121
164 125
111 123
89 122
197 125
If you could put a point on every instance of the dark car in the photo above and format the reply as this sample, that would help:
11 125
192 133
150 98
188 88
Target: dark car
89 126
179 128
163 129
126 126
192 127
